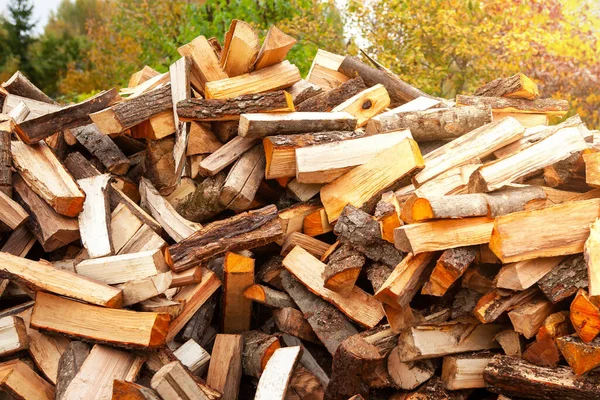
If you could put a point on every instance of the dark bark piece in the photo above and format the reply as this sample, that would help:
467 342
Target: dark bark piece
35 129
400 92
160 164
435 124
329 324
241 232
269 271
304 385
225 130
102 147
364 234
70 362
328 100
230 109
200 321
5 163
261 125
451 265
507 105
258 349
342 270
377 274
203 204
565 279
303 90
463 305
514 377
19 85
516 86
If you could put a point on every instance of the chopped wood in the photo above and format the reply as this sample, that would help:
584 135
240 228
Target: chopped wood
205 110
582 357
156 127
11 213
517 86
225 155
585 316
261 125
240 49
524 274
302 91
268 296
502 104
278 76
324 70
274 48
205 63
187 277
565 279
173 381
529 317
365 104
102 147
316 223
6 158
465 371
449 268
133 391
342 269
494 303
292 218
291 321
142 76
225 370
237 309
242 182
180 91
592 258
326 101
94 219
314 246
13 336
273 383
194 357
18 379
138 290
409 375
202 140
258 349
19 85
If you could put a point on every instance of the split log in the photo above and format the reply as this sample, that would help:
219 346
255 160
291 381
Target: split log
411 374
6 157
247 230
225 155
314 246
292 218
267 296
326 101
155 127
198 324
205 110
342 269
493 304
566 227
565 279
423 342
117 327
273 383
325 163
387 212
243 180
405 280
180 91
35 129
274 49
160 164
92 381
13 336
69 364
133 111
434 390
553 149
529 317
11 213
132 391
304 384
240 49
443 234
328 323
507 105
225 370
307 361
142 76
514 377
202 140
478 143
19 242
377 274
517 86
585 316
592 258
453 181
358 306
205 67
524 274
366 104
18 379
302 91
278 76
291 321
41 276
511 342
94 219
237 309
479 279
102 147
258 349
582 357
465 371
400 91
449 268
316 223
138 290
19 85
160 305
362 187
324 70
201 203
261 125
569 172
463 305
194 357
187 277
544 351
173 381
280 149
47 177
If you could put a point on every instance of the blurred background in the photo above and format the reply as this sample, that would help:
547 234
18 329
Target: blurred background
74 48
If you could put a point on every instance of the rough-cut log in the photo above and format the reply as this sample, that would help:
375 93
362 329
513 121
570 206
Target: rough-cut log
362 187
302 91
267 296
225 155
94 219
273 383
551 150
326 101
359 306
326 162
103 148
47 177
465 371
278 76
582 357
240 48
501 104
258 349
328 323
591 253
443 234
405 281
206 67
117 327
529 317
11 213
274 48
35 129
69 364
21 382
230 109
524 274
478 143
280 149
174 381
291 321
366 104
400 91
424 342
19 85
5 157
225 369
517 86
237 309
241 232
243 180
493 304
565 279
201 202
262 125
41 276
512 376
448 269
342 269
585 316
553 231
434 124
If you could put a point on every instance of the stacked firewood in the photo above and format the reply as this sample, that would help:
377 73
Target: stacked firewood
230 230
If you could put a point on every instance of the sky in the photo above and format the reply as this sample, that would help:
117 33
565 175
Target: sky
41 11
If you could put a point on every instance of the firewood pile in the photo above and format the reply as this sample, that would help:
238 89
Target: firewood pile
230 230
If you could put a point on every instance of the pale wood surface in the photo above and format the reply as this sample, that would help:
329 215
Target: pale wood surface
94 219
274 49
273 383
11 213
18 378
225 370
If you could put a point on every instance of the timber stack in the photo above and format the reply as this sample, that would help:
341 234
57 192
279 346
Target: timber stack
229 230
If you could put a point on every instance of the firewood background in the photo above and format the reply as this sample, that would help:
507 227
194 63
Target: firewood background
228 229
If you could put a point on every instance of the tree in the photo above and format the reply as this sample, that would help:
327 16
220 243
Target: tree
19 26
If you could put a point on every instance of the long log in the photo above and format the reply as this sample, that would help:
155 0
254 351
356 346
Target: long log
517 86
326 101
19 85
5 157
501 104
565 279
103 148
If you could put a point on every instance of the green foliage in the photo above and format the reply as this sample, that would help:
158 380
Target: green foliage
16 33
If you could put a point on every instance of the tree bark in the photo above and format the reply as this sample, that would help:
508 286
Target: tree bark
102 147
516 86
19 85
504 104
258 349
5 163
565 279
203 204
326 101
